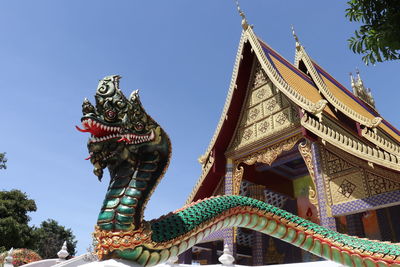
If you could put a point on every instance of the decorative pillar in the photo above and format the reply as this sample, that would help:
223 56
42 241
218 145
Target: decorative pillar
229 177
306 153
325 215
229 233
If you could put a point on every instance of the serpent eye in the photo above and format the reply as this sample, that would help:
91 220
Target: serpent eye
110 114
139 126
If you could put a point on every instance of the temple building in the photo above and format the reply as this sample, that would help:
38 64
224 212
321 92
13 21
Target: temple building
293 136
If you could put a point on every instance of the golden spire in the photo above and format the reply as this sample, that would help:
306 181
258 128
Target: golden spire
360 90
245 25
296 38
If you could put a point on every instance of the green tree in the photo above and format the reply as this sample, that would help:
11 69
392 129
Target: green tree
3 161
49 238
14 229
378 38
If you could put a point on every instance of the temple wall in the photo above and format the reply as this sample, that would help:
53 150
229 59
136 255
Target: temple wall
353 185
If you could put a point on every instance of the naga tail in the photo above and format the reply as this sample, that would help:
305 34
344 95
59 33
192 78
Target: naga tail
176 232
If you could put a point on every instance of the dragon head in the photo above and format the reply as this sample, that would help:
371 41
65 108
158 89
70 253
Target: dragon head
119 127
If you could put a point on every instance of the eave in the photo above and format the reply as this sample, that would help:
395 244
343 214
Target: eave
211 175
370 121
350 144
365 116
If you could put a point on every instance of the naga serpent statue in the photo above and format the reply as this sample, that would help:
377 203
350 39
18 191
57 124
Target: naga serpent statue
136 150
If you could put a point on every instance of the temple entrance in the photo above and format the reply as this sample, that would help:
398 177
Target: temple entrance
284 184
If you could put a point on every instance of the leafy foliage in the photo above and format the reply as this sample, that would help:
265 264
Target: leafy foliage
379 36
3 161
14 229
49 238
15 232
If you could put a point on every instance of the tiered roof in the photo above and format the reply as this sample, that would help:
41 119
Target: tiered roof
329 111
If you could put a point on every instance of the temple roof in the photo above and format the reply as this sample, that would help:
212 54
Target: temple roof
317 94
374 128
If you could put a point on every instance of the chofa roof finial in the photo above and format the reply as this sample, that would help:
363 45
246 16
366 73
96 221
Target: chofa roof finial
360 90
245 25
295 37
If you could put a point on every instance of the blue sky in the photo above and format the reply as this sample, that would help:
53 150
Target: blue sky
179 54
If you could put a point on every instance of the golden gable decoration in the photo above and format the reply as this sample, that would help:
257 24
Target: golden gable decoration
266 111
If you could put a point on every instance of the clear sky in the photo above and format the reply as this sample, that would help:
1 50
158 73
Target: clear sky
179 54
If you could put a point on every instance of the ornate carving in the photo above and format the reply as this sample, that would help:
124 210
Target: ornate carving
322 84
270 105
259 77
350 144
368 182
108 241
206 164
264 126
253 114
281 118
275 77
305 151
378 185
360 90
318 107
206 161
378 138
247 134
261 93
337 165
237 179
346 188
269 154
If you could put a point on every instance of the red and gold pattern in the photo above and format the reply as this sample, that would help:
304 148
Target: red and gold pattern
108 241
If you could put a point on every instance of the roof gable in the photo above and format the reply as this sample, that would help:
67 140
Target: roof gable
376 129
311 94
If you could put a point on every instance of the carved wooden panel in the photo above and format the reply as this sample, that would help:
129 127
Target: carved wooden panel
349 178
337 166
262 93
377 184
266 111
348 187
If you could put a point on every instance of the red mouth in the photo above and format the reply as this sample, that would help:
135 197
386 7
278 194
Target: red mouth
103 132
97 129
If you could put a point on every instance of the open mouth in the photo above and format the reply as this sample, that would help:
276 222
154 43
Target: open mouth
101 132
